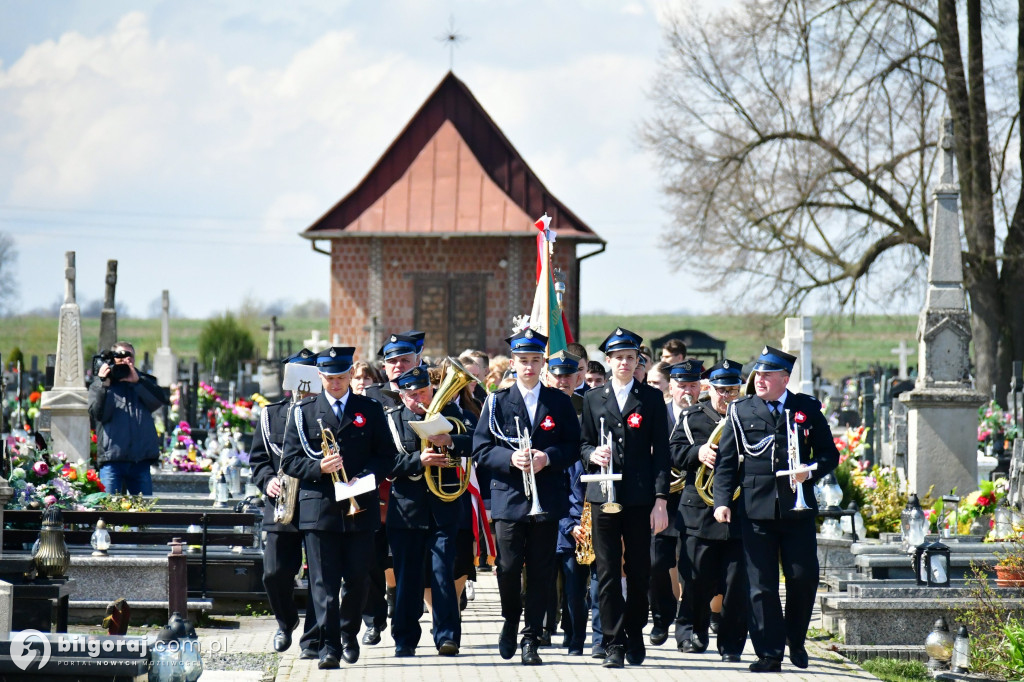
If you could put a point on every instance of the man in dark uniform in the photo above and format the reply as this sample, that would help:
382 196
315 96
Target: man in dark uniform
665 546
399 355
282 554
338 545
634 415
421 525
772 530
712 551
547 416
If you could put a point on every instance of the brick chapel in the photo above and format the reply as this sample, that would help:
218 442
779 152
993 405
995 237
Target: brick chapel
439 235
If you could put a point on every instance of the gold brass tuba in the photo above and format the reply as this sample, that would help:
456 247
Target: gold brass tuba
455 379
705 481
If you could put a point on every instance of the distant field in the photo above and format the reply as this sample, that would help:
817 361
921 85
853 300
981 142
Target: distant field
842 345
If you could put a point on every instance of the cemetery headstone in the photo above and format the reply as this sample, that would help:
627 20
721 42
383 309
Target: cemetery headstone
797 341
108 316
903 352
165 366
68 401
270 369
315 343
942 409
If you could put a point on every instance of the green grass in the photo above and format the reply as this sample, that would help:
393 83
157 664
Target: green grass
892 670
842 344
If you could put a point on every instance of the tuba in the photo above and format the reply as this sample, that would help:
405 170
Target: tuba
705 482
455 379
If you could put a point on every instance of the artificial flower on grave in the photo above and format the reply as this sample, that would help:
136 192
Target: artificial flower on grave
34 400
174 412
983 500
995 425
120 502
41 478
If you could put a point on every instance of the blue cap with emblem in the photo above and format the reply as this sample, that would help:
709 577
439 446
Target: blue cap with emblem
335 360
417 337
303 357
687 370
397 344
528 341
621 339
413 379
774 360
563 362
724 373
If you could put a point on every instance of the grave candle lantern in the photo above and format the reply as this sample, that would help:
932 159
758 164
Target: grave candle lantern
931 565
939 645
100 540
961 661
950 524
913 524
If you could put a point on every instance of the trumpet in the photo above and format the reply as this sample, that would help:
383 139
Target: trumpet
607 477
795 465
529 477
330 447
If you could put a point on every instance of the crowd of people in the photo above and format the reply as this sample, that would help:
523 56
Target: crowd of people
586 487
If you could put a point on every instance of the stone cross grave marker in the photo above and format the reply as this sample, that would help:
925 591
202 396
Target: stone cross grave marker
165 365
315 343
797 341
903 352
108 316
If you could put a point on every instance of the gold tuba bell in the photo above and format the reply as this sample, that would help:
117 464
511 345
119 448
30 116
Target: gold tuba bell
706 477
454 380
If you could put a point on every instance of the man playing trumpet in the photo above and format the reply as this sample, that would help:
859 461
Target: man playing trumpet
773 525
527 436
629 418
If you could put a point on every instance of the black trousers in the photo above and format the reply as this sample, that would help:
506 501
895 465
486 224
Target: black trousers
334 557
622 618
713 567
411 548
532 543
766 544
282 561
664 556
576 580
375 613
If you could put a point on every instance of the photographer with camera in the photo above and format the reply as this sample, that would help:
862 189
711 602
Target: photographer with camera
121 403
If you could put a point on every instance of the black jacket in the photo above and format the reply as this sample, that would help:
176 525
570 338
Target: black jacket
640 433
265 461
123 414
376 391
692 431
556 431
411 504
366 447
766 496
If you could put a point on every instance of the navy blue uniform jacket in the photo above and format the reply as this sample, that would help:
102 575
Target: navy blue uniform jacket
265 463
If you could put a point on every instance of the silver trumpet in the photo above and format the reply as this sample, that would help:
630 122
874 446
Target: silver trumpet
607 477
529 477
795 466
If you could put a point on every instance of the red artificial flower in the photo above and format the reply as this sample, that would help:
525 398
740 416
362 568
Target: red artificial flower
93 437
92 476
984 501
799 417
548 423
34 396
100 487
634 420
359 420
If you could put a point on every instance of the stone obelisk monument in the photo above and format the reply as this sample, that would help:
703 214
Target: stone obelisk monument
108 316
942 410
165 365
68 401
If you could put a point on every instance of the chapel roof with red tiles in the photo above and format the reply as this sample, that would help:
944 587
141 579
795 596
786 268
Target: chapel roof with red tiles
450 172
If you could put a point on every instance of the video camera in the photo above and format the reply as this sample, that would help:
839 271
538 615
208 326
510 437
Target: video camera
118 372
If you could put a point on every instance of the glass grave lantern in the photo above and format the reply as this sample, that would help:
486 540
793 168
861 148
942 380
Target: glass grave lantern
100 540
931 564
950 523
913 524
939 645
961 661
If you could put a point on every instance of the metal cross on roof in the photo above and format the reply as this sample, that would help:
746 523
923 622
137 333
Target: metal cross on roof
452 37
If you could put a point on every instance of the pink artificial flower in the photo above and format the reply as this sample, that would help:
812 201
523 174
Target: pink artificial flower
50 499
41 468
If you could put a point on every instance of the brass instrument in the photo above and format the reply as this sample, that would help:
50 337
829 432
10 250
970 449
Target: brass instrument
455 379
330 447
678 475
607 477
585 547
284 507
529 477
795 465
705 481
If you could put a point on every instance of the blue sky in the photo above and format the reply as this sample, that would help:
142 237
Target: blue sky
192 140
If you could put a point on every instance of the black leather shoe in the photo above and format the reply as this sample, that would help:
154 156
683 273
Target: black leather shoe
307 655
507 640
389 596
658 635
730 658
448 648
766 665
350 652
371 636
798 657
699 647
575 651
716 618
283 640
530 656
635 655
686 647
328 662
615 658
544 639
598 651
404 652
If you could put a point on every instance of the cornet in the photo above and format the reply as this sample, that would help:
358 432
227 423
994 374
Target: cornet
330 447
529 477
607 477
795 466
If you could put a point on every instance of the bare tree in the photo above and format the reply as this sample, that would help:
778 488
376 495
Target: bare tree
797 141
8 285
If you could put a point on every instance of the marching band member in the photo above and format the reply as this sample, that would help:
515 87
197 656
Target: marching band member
338 545
772 529
399 353
712 551
634 416
282 553
421 525
526 413
683 380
